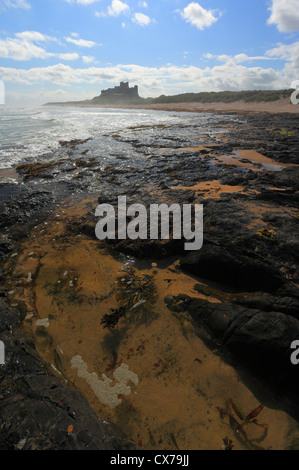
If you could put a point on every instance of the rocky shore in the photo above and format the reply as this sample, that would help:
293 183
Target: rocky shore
243 303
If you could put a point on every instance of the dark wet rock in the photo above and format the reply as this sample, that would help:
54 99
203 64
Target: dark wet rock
259 340
138 248
279 219
22 208
9 317
37 412
227 227
286 197
6 244
149 249
239 179
269 303
73 143
224 217
217 264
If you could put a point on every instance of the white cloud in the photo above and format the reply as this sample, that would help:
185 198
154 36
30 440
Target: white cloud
82 2
17 4
220 57
22 49
34 36
231 73
87 59
100 14
141 19
116 8
238 58
68 56
31 36
199 16
285 15
81 42
290 52
154 81
142 4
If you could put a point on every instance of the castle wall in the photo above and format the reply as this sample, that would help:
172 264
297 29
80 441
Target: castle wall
123 88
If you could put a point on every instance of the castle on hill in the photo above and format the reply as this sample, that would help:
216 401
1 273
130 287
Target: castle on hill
122 89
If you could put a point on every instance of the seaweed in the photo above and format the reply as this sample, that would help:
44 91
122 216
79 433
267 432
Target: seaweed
228 443
241 419
38 169
132 292
266 233
133 289
111 319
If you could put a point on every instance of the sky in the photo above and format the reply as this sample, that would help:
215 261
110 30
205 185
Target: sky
59 50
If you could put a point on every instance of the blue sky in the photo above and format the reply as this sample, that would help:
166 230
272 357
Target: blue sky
71 49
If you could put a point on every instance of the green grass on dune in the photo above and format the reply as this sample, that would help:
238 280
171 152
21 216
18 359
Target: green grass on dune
249 96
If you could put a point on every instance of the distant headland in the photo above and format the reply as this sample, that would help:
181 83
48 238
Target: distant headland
223 101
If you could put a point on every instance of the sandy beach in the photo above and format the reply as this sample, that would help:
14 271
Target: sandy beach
239 107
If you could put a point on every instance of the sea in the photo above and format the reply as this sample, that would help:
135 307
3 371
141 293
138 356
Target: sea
31 133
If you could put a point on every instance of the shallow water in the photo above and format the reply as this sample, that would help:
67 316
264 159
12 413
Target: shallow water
32 132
